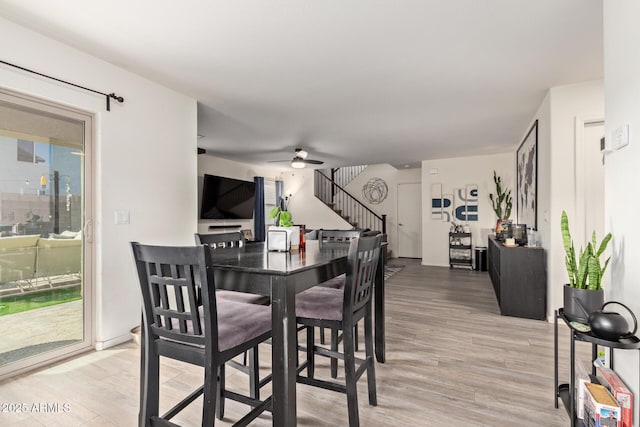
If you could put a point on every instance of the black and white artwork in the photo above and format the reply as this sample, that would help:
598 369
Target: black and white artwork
527 185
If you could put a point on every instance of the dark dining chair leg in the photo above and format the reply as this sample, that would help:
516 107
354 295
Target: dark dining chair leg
350 377
322 336
355 336
370 359
310 352
151 378
334 347
254 373
209 395
220 385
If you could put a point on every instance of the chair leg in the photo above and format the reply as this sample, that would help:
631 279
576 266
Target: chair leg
210 394
350 377
150 386
310 352
220 393
254 373
334 347
371 370
355 336
322 336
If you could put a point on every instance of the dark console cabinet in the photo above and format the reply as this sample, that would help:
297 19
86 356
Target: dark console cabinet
519 280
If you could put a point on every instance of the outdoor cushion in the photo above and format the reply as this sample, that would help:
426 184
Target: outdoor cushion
14 242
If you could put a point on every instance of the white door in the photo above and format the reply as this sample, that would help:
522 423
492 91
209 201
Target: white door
589 182
410 220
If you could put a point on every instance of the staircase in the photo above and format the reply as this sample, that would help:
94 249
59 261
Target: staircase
345 205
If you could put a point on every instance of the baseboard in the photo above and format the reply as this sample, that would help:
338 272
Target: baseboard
103 345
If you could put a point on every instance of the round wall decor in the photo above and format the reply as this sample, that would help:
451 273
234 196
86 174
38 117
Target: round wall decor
375 191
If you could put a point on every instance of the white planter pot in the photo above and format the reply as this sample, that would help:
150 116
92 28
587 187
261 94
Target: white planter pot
277 241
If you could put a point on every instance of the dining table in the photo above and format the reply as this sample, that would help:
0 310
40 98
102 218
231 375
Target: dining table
281 275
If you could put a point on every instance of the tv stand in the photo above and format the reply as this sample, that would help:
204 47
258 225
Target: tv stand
219 227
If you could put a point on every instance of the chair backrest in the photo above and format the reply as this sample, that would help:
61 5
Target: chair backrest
177 285
337 236
233 239
362 261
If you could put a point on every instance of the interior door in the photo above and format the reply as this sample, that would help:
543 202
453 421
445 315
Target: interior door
45 250
410 220
589 182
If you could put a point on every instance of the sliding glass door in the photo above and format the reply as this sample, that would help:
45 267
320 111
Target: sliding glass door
45 240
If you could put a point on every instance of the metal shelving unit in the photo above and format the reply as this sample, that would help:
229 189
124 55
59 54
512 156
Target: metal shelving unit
565 392
460 250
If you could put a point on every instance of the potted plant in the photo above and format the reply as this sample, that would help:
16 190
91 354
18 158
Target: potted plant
284 222
282 217
583 294
501 202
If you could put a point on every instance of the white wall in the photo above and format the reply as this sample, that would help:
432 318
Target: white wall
457 173
389 206
567 104
307 209
622 106
144 162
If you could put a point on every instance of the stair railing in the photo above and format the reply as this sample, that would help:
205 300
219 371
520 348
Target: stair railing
347 206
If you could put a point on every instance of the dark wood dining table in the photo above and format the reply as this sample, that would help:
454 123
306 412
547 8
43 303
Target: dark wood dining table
281 275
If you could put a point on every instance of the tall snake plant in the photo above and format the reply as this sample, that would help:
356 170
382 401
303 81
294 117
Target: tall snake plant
586 273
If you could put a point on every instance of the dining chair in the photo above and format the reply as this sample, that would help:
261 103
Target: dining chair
220 241
340 310
249 365
337 236
328 239
183 320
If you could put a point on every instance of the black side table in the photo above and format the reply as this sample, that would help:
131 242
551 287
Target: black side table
565 392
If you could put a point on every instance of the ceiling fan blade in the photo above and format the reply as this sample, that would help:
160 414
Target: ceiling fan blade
277 161
313 162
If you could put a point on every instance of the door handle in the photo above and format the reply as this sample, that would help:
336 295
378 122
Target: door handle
88 231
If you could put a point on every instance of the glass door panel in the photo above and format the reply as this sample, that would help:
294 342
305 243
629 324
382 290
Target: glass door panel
43 251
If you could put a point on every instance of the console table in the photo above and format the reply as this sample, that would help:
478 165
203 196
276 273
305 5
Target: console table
519 279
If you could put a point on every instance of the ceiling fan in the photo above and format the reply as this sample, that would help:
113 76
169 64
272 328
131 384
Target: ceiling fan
300 160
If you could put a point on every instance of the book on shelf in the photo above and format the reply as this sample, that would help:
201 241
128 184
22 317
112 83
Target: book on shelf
600 408
612 382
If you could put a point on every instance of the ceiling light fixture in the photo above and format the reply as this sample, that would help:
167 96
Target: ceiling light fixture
297 163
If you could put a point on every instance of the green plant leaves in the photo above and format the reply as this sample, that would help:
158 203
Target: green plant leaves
500 198
587 273
285 219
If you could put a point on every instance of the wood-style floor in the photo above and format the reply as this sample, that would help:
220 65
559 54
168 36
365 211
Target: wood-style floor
452 360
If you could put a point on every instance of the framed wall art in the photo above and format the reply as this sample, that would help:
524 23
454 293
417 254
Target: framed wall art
527 179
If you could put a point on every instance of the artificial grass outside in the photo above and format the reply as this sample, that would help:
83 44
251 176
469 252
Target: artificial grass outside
24 302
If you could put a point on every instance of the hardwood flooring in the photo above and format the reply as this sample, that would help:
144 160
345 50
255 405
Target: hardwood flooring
451 360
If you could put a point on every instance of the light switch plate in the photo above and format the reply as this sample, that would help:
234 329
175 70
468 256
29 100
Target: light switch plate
122 217
620 137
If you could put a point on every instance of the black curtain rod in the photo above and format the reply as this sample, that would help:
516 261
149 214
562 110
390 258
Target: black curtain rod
108 96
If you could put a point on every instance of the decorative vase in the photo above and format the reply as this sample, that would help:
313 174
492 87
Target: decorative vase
579 303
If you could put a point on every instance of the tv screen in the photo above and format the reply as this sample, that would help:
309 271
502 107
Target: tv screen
227 198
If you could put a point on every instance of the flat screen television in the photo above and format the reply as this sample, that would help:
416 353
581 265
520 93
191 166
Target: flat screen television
227 198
